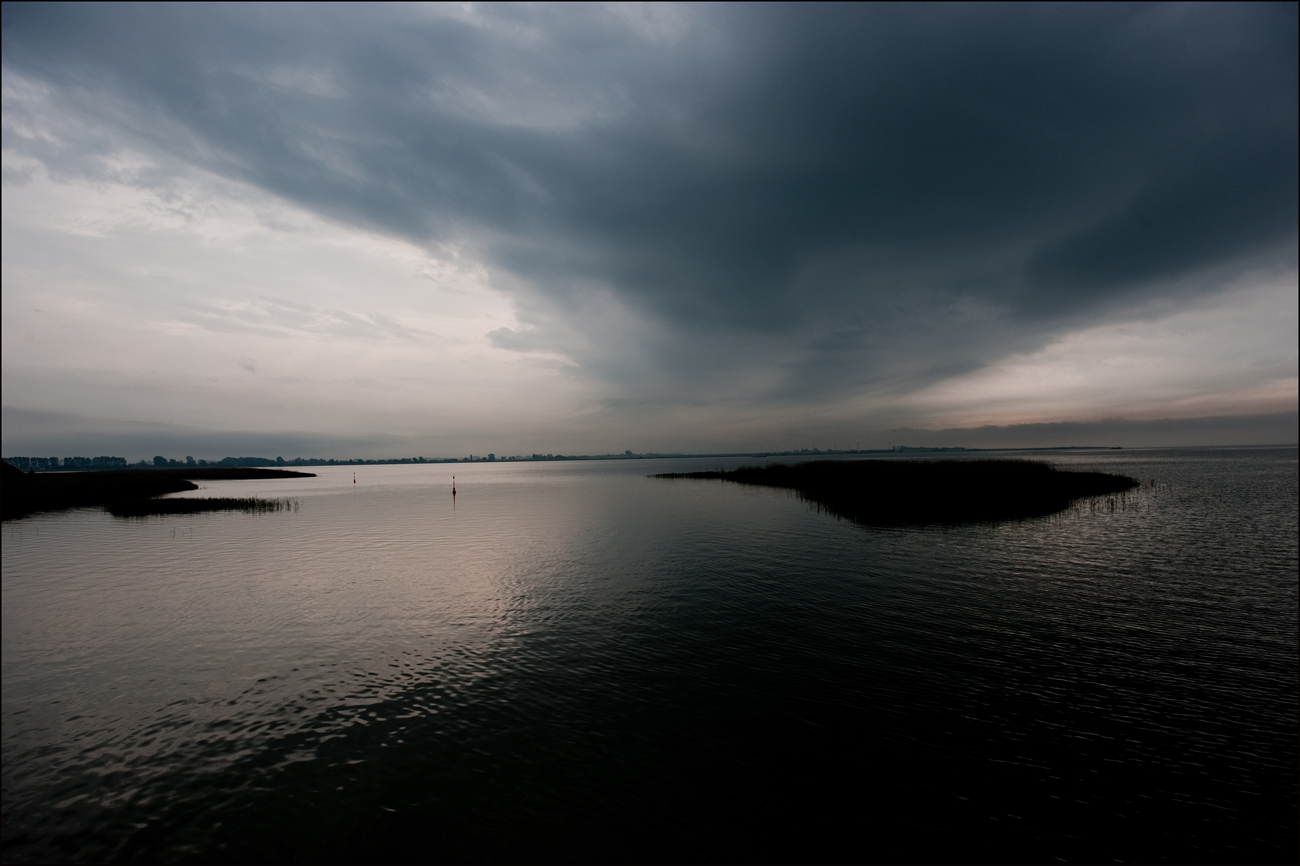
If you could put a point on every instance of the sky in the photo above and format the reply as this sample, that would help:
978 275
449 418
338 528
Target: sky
436 230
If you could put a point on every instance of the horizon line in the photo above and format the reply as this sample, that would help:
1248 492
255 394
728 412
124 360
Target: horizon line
106 463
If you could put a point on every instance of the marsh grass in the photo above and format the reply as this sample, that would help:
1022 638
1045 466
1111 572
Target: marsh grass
893 492
121 490
151 507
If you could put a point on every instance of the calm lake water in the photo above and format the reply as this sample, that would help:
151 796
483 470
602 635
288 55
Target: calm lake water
576 662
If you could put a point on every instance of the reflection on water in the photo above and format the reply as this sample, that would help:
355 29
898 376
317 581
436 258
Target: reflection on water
573 661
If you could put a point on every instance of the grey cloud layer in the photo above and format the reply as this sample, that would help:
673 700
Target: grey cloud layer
830 199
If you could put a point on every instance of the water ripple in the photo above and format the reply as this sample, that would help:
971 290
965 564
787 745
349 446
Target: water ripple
574 663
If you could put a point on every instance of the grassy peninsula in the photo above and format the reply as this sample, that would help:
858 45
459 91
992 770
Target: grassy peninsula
127 492
895 492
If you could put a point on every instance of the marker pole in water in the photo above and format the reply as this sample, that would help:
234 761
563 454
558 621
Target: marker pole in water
354 478
453 487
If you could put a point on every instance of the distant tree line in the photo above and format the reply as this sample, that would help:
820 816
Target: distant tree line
54 464
319 461
78 464
81 464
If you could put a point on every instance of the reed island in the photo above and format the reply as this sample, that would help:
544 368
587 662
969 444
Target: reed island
896 492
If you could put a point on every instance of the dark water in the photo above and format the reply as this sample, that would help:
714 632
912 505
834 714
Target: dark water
580 663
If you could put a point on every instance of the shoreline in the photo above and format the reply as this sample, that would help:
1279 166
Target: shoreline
31 493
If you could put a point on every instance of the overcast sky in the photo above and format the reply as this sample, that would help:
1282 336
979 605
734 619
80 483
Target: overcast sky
434 230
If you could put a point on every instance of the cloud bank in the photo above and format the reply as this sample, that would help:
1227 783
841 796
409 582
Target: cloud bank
695 223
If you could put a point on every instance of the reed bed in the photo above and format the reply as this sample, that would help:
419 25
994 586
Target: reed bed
152 507
119 489
892 492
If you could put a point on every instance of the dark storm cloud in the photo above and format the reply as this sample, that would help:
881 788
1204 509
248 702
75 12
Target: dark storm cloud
853 198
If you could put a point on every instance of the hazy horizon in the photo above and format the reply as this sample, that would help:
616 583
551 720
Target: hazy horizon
386 231
44 436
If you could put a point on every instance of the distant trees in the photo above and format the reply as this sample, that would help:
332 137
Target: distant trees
54 464
246 461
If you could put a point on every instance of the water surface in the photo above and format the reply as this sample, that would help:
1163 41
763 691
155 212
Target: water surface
573 662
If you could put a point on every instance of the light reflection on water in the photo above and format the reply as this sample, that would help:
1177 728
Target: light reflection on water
573 661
